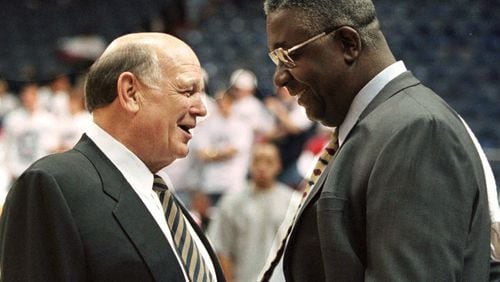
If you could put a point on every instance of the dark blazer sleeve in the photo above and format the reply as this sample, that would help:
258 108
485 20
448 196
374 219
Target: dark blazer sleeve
39 239
494 271
424 206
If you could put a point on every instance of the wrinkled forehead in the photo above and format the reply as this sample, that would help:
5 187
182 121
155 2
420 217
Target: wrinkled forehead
180 64
183 74
189 76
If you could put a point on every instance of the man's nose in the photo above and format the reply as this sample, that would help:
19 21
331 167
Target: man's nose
199 108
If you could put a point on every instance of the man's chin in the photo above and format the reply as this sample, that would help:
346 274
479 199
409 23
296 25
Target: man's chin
312 115
181 152
329 123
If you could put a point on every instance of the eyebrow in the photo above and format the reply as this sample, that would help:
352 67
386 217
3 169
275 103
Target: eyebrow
184 84
186 78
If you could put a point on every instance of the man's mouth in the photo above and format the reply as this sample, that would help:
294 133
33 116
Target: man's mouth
296 92
186 128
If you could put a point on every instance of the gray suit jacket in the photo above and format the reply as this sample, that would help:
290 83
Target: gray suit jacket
404 198
74 217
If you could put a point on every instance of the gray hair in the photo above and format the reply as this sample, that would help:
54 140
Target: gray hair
323 14
139 59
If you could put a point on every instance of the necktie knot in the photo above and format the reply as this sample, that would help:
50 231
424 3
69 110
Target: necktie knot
159 184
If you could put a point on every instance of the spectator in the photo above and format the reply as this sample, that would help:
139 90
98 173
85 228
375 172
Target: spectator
223 145
54 97
245 224
78 120
8 101
312 150
30 132
291 131
246 106
201 208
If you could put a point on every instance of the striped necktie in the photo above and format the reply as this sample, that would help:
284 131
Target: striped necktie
196 268
322 162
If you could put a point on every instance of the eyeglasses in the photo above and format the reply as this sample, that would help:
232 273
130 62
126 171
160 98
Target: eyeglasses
281 55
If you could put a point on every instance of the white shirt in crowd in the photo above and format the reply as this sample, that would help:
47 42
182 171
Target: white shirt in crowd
28 137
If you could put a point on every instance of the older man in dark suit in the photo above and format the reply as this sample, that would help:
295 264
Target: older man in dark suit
99 212
403 197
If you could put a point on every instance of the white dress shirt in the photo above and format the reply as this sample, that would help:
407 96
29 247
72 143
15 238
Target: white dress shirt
366 95
141 179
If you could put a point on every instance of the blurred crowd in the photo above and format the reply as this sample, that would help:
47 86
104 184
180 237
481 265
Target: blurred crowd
247 162
38 120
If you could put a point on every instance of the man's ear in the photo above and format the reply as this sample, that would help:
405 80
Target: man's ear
351 43
128 92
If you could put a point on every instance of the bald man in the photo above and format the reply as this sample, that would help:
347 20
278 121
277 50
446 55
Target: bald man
90 214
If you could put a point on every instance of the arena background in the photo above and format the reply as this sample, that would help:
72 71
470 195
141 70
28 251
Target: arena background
452 45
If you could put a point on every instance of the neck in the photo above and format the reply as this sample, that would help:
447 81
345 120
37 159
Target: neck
107 120
378 57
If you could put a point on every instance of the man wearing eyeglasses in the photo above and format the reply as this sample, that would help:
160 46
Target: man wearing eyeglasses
404 196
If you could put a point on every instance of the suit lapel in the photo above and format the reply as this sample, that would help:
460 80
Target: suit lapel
133 216
318 185
148 238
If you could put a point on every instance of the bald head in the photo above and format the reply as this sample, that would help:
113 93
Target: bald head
155 40
138 53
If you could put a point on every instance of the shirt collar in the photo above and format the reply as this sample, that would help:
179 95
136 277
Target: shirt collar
366 95
132 168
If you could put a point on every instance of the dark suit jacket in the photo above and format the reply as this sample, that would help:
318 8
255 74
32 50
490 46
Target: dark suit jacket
73 217
404 198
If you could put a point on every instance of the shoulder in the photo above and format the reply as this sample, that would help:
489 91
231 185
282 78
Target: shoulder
68 178
413 108
65 161
414 121
53 174
70 168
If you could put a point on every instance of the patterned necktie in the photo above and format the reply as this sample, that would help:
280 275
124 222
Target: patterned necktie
195 266
322 162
